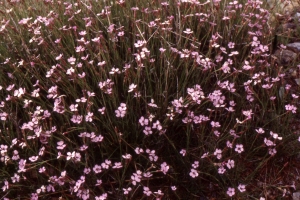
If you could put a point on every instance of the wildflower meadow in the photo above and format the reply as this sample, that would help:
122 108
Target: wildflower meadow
136 99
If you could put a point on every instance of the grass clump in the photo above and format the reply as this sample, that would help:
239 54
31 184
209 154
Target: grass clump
143 100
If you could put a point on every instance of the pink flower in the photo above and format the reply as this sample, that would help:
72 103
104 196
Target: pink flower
76 119
152 156
239 148
121 110
83 148
22 164
74 156
101 110
269 142
60 145
138 150
19 92
147 130
99 182
164 167
188 31
194 173
147 174
73 107
291 108
231 192
24 21
272 151
195 164
260 131
242 188
147 191
215 124
218 153
131 87
15 178
72 60
117 165
231 45
97 169
34 196
136 177
33 158
87 170
127 156
221 170
230 164
248 113
42 169
204 155
229 144
183 152
6 186
102 197
157 125
126 191
89 117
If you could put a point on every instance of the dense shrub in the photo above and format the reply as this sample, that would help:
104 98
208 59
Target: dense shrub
143 100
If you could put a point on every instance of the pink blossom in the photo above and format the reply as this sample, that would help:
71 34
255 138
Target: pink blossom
74 156
221 170
194 173
127 190
260 131
76 119
215 124
136 177
127 156
239 148
269 142
89 117
6 186
102 197
101 110
195 164
97 169
138 150
164 167
183 152
231 192
60 145
99 182
242 188
121 110
230 164
117 165
33 158
143 121
147 130
218 153
147 191
290 107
